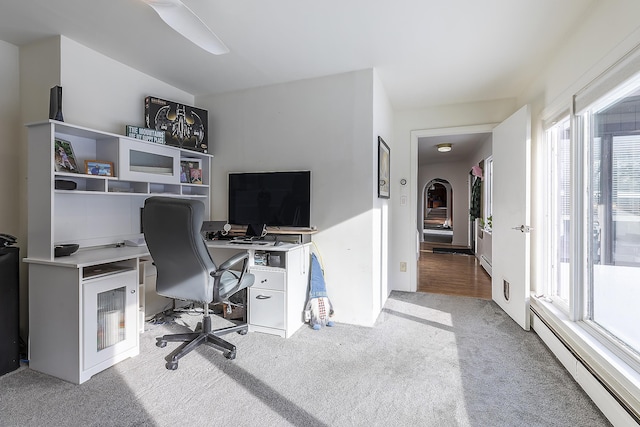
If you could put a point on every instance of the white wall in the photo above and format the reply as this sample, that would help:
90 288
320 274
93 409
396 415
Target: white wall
9 136
483 151
12 161
324 125
383 127
101 93
97 91
39 71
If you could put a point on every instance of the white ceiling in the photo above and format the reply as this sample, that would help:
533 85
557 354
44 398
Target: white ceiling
463 147
427 52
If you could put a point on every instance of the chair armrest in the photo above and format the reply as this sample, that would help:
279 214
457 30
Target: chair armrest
232 261
224 267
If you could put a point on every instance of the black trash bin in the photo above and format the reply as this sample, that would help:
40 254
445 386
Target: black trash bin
9 318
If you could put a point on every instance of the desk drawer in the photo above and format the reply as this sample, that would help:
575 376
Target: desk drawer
268 279
266 308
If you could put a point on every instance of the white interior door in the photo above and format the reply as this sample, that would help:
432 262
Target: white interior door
511 215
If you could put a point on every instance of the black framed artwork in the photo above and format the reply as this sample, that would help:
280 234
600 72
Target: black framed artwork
384 169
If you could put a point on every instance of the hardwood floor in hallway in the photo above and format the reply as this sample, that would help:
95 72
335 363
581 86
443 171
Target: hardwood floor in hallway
451 274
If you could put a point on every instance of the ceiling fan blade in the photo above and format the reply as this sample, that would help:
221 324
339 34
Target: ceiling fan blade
182 19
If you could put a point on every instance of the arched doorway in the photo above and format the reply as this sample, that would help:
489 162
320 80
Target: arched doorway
438 211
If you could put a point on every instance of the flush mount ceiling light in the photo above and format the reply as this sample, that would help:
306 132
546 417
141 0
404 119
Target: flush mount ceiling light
182 19
443 148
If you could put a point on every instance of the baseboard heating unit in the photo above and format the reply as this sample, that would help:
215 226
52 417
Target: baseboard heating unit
486 264
609 400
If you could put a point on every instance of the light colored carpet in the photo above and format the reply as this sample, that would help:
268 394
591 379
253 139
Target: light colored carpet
430 360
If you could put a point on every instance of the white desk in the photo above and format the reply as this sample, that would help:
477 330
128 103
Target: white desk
87 257
84 311
277 298
67 313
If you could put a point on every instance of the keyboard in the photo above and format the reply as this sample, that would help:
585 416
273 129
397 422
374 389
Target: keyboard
248 242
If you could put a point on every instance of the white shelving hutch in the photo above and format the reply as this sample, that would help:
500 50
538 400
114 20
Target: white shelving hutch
86 310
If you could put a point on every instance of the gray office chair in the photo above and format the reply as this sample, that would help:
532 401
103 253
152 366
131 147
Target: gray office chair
185 270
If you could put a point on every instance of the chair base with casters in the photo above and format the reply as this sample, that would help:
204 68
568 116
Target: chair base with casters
205 335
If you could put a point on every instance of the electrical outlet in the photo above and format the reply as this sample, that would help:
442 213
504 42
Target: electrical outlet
403 266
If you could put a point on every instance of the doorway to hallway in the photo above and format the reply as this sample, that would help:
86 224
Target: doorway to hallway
451 274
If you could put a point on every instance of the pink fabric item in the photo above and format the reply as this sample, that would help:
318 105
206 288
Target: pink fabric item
476 171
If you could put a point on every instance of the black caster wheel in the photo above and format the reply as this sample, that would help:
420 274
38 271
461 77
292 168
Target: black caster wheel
161 344
242 332
230 355
172 366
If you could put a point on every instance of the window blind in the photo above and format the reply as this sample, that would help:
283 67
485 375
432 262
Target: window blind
626 175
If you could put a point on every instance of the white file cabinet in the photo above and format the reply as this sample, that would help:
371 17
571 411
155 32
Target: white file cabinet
267 299
279 293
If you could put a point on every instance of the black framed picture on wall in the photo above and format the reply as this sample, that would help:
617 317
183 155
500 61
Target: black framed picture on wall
384 169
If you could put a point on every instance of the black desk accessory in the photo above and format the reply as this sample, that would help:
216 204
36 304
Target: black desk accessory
256 230
9 317
63 184
65 250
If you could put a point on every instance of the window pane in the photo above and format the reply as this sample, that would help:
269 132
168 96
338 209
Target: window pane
559 202
614 218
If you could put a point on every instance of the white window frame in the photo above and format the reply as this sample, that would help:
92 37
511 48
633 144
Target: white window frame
550 187
488 189
581 298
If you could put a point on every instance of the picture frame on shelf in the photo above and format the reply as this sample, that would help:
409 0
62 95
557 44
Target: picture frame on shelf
64 158
185 173
98 167
186 166
384 169
196 176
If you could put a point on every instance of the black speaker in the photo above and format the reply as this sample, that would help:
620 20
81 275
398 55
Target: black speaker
55 104
9 328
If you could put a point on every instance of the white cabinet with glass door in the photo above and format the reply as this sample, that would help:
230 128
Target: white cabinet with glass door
109 317
82 316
